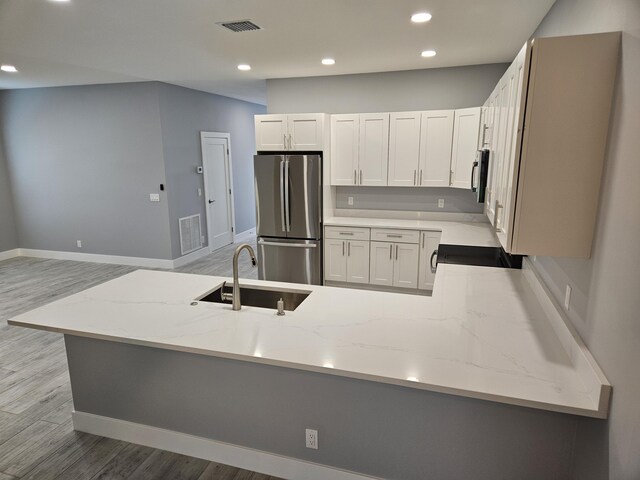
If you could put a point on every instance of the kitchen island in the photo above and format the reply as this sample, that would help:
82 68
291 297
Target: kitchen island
398 386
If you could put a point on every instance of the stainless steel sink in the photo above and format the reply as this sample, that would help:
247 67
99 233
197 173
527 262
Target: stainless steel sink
263 297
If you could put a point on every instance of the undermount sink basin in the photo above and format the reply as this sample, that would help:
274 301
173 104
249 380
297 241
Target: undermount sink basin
263 297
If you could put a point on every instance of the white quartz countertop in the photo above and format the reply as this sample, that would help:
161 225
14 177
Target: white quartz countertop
453 233
483 334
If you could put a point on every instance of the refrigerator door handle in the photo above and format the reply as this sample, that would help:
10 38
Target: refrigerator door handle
282 195
282 244
287 213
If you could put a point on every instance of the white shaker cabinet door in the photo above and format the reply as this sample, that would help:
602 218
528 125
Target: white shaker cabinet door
357 261
466 129
335 260
271 133
429 242
405 269
382 259
374 149
435 148
306 131
404 149
345 137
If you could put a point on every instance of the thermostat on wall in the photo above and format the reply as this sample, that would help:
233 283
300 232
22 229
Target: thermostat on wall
199 169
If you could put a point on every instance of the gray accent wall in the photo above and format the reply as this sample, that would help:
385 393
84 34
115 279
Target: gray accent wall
8 235
184 114
387 431
428 89
83 161
605 304
420 199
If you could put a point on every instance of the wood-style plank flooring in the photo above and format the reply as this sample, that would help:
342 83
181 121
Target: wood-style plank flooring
37 440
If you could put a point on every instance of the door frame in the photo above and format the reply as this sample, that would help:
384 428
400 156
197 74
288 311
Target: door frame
229 168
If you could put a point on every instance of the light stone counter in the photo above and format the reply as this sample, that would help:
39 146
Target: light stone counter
453 233
486 333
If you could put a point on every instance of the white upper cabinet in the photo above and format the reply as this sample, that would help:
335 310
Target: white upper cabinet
293 132
271 132
404 149
345 139
466 127
435 148
374 149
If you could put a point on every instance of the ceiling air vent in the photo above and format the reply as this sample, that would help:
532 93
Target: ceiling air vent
240 26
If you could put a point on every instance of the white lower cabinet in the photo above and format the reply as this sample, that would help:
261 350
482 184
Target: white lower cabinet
380 256
429 242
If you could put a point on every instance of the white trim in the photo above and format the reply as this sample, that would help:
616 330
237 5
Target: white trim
97 258
213 450
7 254
244 236
191 257
227 137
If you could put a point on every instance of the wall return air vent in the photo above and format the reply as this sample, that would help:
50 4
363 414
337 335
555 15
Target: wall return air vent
240 26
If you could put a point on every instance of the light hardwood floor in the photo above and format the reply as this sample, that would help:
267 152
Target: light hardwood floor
37 440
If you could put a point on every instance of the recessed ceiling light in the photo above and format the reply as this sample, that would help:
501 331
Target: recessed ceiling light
420 17
328 365
413 379
428 53
59 1
328 61
8 68
244 67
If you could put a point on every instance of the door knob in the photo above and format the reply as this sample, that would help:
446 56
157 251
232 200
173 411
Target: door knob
211 201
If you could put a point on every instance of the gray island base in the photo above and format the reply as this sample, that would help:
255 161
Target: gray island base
239 412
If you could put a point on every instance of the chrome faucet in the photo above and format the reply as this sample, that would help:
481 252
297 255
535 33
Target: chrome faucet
235 296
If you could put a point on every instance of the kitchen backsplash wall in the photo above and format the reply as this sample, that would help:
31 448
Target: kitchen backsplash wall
419 199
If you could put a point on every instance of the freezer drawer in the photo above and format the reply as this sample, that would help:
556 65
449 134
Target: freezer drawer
287 260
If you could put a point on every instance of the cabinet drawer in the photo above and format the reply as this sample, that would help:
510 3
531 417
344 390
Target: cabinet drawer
395 235
347 233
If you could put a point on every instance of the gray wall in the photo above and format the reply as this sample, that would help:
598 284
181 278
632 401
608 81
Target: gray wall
83 161
428 89
8 235
411 199
184 114
605 301
382 430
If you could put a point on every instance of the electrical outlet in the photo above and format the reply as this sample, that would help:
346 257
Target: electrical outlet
441 203
154 197
79 243
311 438
199 192
350 200
567 297
202 239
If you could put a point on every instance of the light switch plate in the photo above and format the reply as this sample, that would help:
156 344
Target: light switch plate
154 197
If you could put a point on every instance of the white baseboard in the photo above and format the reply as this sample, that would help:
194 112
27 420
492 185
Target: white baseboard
212 450
97 258
7 254
244 236
191 257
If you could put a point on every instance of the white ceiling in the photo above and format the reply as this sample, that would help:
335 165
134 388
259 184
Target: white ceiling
178 41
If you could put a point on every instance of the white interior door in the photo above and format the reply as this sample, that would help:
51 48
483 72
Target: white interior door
217 189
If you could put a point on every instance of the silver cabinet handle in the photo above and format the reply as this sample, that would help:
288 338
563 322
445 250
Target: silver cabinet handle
348 249
390 235
283 244
355 177
433 268
397 252
286 195
391 251
414 176
284 228
360 177
346 233
420 182
424 236
343 248
497 207
284 141
290 143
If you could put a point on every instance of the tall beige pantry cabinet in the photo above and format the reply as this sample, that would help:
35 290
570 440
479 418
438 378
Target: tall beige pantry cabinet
548 120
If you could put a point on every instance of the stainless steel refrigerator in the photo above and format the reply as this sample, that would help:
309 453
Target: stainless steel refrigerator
289 217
